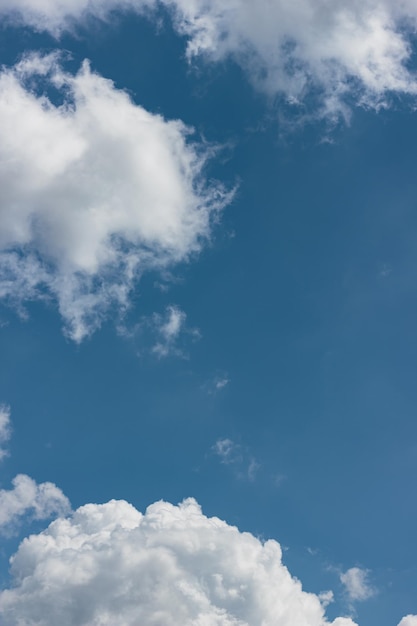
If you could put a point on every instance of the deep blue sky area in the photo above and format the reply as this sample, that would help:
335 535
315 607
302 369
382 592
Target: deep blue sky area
306 302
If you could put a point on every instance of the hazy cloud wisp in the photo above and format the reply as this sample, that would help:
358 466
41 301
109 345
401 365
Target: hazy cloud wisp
168 328
244 465
5 430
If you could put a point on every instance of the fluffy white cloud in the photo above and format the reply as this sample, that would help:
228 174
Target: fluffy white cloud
342 48
95 190
27 498
356 583
110 565
5 429
408 620
335 50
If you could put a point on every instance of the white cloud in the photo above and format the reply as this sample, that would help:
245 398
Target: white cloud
27 498
110 565
357 48
227 450
326 598
408 620
231 453
58 15
356 583
95 191
221 383
336 51
253 468
168 328
5 429
216 384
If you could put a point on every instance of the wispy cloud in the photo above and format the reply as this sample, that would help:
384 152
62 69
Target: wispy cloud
162 335
356 583
238 457
168 328
227 451
216 384
221 383
5 430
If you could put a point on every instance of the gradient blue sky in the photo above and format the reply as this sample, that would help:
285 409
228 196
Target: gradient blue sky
299 347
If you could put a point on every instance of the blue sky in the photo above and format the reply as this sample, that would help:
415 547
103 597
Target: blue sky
227 315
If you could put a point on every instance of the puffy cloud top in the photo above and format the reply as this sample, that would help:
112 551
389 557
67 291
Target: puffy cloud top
408 620
27 498
95 190
172 566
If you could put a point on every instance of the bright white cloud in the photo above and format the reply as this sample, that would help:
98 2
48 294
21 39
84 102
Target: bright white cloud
95 191
356 583
408 620
5 429
29 499
110 565
356 48
339 50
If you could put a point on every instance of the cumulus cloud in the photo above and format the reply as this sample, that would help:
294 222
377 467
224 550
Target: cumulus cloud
336 51
95 191
32 500
172 566
408 620
356 583
5 429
